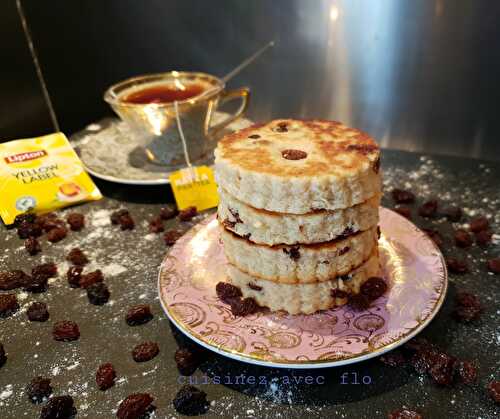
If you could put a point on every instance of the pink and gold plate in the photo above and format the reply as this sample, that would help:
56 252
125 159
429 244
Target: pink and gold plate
411 263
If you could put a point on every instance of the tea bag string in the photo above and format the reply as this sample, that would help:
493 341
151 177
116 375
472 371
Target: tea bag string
183 139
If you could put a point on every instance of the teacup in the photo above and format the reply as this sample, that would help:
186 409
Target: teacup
146 104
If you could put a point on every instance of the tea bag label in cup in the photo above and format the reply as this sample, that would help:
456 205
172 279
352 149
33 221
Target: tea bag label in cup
194 187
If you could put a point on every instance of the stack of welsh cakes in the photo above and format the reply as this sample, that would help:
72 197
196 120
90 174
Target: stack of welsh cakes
299 209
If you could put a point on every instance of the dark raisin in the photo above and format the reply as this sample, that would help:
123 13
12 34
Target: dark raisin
32 245
105 376
187 214
127 222
98 294
435 236
466 371
236 215
10 280
463 238
243 307
50 221
483 237
8 305
57 234
3 356
36 284
115 216
404 414
166 213
76 221
393 359
227 292
27 229
401 196
373 288
60 407
37 312
281 127
479 224
171 236
77 257
156 225
254 287
293 252
48 270
190 401
25 217
91 278
254 136
494 265
428 209
359 302
457 266
292 154
228 224
442 369
467 307
453 214
139 314
38 389
187 361
376 165
494 390
145 351
135 406
74 276
65 331
404 211
337 293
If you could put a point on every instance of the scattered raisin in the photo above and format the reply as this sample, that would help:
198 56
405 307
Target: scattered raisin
156 225
494 390
60 407
77 257
65 331
76 221
190 401
359 302
145 351
428 209
27 229
467 307
463 238
91 278
483 237
127 222
37 312
254 136
139 314
187 361
254 287
401 196
442 369
479 224
166 213
50 221
404 414
98 294
393 359
466 371
135 406
74 276
337 293
36 284
39 389
47 270
116 215
281 127
404 211
494 265
8 305
293 252
105 376
188 213
243 307
435 236
24 217
57 234
373 288
227 292
32 245
171 236
10 280
3 356
457 266
292 154
453 214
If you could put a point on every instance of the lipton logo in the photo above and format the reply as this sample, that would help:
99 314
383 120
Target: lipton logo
21 157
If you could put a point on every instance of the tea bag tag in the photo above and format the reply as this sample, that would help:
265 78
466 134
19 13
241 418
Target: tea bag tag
193 186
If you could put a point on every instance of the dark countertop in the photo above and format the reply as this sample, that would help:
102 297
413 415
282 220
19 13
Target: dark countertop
130 261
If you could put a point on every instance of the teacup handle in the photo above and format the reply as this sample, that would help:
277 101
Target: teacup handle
242 93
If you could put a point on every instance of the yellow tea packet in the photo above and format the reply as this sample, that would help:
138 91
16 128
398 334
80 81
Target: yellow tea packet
194 187
40 175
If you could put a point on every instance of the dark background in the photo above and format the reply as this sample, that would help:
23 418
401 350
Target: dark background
416 75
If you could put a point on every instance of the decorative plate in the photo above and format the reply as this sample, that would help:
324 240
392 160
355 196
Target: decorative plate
109 152
411 263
